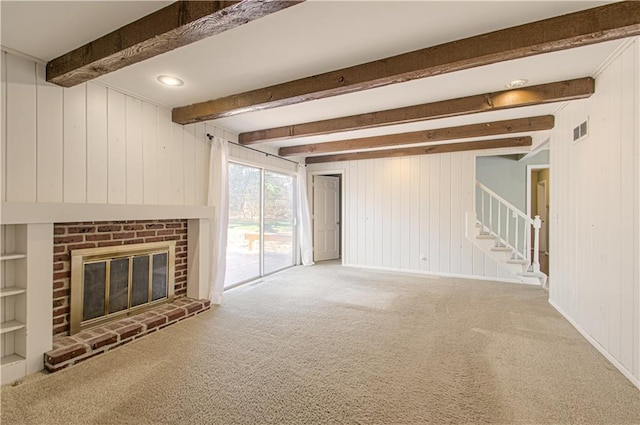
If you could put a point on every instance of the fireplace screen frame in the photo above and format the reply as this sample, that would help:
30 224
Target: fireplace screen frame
81 257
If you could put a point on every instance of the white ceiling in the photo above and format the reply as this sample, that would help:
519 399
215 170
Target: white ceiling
48 29
307 39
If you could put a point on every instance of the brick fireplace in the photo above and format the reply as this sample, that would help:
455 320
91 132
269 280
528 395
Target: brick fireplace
82 235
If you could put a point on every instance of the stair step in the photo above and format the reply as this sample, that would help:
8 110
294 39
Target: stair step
485 236
501 248
517 261
532 274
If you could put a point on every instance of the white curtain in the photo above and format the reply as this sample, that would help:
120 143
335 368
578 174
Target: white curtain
306 242
218 196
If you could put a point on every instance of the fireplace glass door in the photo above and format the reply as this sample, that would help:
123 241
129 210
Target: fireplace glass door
107 284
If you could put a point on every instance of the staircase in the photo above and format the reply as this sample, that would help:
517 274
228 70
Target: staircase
503 232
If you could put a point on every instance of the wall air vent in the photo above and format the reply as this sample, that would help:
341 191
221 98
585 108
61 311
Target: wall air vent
580 132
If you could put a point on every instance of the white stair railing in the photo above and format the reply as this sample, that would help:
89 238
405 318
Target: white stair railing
511 227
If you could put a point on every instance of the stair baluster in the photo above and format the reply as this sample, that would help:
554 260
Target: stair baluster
521 247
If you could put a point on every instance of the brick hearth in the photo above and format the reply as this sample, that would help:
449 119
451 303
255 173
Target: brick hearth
69 350
80 235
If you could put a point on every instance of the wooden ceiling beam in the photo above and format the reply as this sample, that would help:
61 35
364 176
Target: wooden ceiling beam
423 150
177 25
604 23
496 128
535 95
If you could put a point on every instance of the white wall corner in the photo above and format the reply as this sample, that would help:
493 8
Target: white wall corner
198 258
626 372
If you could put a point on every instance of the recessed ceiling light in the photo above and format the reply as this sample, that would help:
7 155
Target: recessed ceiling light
169 80
516 83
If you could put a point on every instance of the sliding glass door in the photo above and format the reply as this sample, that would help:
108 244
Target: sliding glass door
243 237
278 221
261 223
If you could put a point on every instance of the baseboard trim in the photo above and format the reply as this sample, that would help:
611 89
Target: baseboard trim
627 374
441 274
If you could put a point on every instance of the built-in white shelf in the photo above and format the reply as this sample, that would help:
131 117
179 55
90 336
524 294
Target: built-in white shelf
11 290
10 326
11 359
12 256
25 327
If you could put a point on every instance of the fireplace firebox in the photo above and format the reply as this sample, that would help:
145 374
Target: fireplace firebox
111 282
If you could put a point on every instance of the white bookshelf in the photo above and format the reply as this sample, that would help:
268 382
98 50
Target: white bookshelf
26 265
13 302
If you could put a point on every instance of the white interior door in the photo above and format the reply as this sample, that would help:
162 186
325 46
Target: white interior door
542 212
326 218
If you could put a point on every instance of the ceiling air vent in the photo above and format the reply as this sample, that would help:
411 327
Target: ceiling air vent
580 131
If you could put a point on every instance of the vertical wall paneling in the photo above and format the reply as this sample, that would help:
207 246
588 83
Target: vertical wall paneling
75 144
593 210
424 187
379 201
396 211
635 304
387 211
164 156
362 210
117 146
21 129
409 214
457 213
626 258
189 164
414 208
230 136
434 212
405 225
468 202
49 139
445 212
352 189
92 144
135 164
97 145
370 208
478 261
150 153
613 265
202 163
177 164
219 132
3 127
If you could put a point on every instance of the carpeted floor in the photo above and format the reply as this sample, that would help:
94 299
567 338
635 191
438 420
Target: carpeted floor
331 344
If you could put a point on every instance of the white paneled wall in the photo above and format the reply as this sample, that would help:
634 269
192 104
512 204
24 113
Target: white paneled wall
595 215
92 144
409 214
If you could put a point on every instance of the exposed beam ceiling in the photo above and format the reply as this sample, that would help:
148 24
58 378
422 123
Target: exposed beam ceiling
535 95
179 24
609 22
424 150
495 128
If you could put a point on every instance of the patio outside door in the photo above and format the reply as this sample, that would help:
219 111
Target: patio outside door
261 229
243 237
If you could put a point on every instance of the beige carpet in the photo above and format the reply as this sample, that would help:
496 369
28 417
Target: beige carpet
338 345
